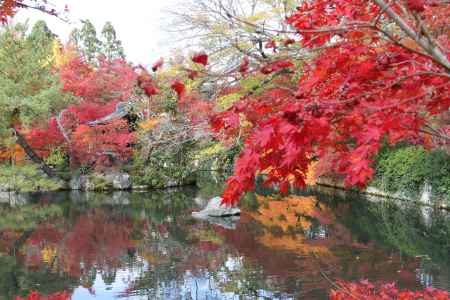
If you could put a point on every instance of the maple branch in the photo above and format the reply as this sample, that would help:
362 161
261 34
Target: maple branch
435 52
373 92
435 133
383 10
398 43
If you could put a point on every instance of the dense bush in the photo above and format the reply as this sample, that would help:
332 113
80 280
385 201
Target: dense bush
163 167
406 168
26 178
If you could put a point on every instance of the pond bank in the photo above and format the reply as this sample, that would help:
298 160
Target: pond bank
424 198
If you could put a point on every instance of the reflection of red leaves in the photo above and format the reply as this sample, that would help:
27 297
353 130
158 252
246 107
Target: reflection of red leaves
200 58
95 240
208 246
36 296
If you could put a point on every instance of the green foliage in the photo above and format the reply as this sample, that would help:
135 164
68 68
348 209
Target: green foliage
26 178
30 91
58 159
164 167
99 183
91 46
407 168
28 216
225 102
111 46
402 228
215 157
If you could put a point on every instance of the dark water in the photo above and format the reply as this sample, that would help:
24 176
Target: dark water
147 246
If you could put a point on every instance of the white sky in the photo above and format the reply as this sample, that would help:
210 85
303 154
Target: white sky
138 23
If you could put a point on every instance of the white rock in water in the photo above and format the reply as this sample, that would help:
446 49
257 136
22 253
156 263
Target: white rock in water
215 208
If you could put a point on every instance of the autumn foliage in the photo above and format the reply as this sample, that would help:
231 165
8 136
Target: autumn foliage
100 90
365 86
366 290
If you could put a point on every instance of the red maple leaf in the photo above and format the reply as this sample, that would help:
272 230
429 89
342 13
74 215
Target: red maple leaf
200 58
178 87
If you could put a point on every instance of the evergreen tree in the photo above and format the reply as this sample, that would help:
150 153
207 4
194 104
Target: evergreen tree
41 34
75 38
111 46
90 45
30 92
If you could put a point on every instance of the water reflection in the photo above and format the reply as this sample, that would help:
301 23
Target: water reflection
146 246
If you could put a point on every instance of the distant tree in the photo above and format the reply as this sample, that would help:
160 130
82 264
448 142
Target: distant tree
89 45
40 33
75 38
111 46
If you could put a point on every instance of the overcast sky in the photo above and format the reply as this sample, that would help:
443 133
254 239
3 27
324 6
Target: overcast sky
138 23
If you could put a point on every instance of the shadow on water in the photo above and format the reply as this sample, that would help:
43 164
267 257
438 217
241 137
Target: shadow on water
147 245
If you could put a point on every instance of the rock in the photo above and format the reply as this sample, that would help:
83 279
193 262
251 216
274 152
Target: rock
215 208
227 223
78 182
14 199
121 181
140 188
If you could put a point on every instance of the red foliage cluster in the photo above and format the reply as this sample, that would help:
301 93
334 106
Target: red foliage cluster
36 296
359 91
368 291
101 89
110 81
103 145
146 81
7 9
200 58
44 139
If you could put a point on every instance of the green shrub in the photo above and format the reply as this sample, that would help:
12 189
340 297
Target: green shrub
99 183
27 178
406 168
163 166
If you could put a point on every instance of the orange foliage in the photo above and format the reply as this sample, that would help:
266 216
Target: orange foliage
16 154
149 124
291 213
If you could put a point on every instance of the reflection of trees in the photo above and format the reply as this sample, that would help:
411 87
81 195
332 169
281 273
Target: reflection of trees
281 246
289 232
15 279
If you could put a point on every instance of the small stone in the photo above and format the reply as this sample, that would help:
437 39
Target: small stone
215 208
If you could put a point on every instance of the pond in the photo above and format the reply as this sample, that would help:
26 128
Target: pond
147 245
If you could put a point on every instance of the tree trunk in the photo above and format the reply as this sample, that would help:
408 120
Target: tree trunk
33 155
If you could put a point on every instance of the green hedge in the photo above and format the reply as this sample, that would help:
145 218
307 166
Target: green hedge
406 168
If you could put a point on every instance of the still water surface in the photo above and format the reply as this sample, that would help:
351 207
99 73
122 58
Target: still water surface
147 246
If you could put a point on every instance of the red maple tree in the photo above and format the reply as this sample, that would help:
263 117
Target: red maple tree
380 72
79 128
